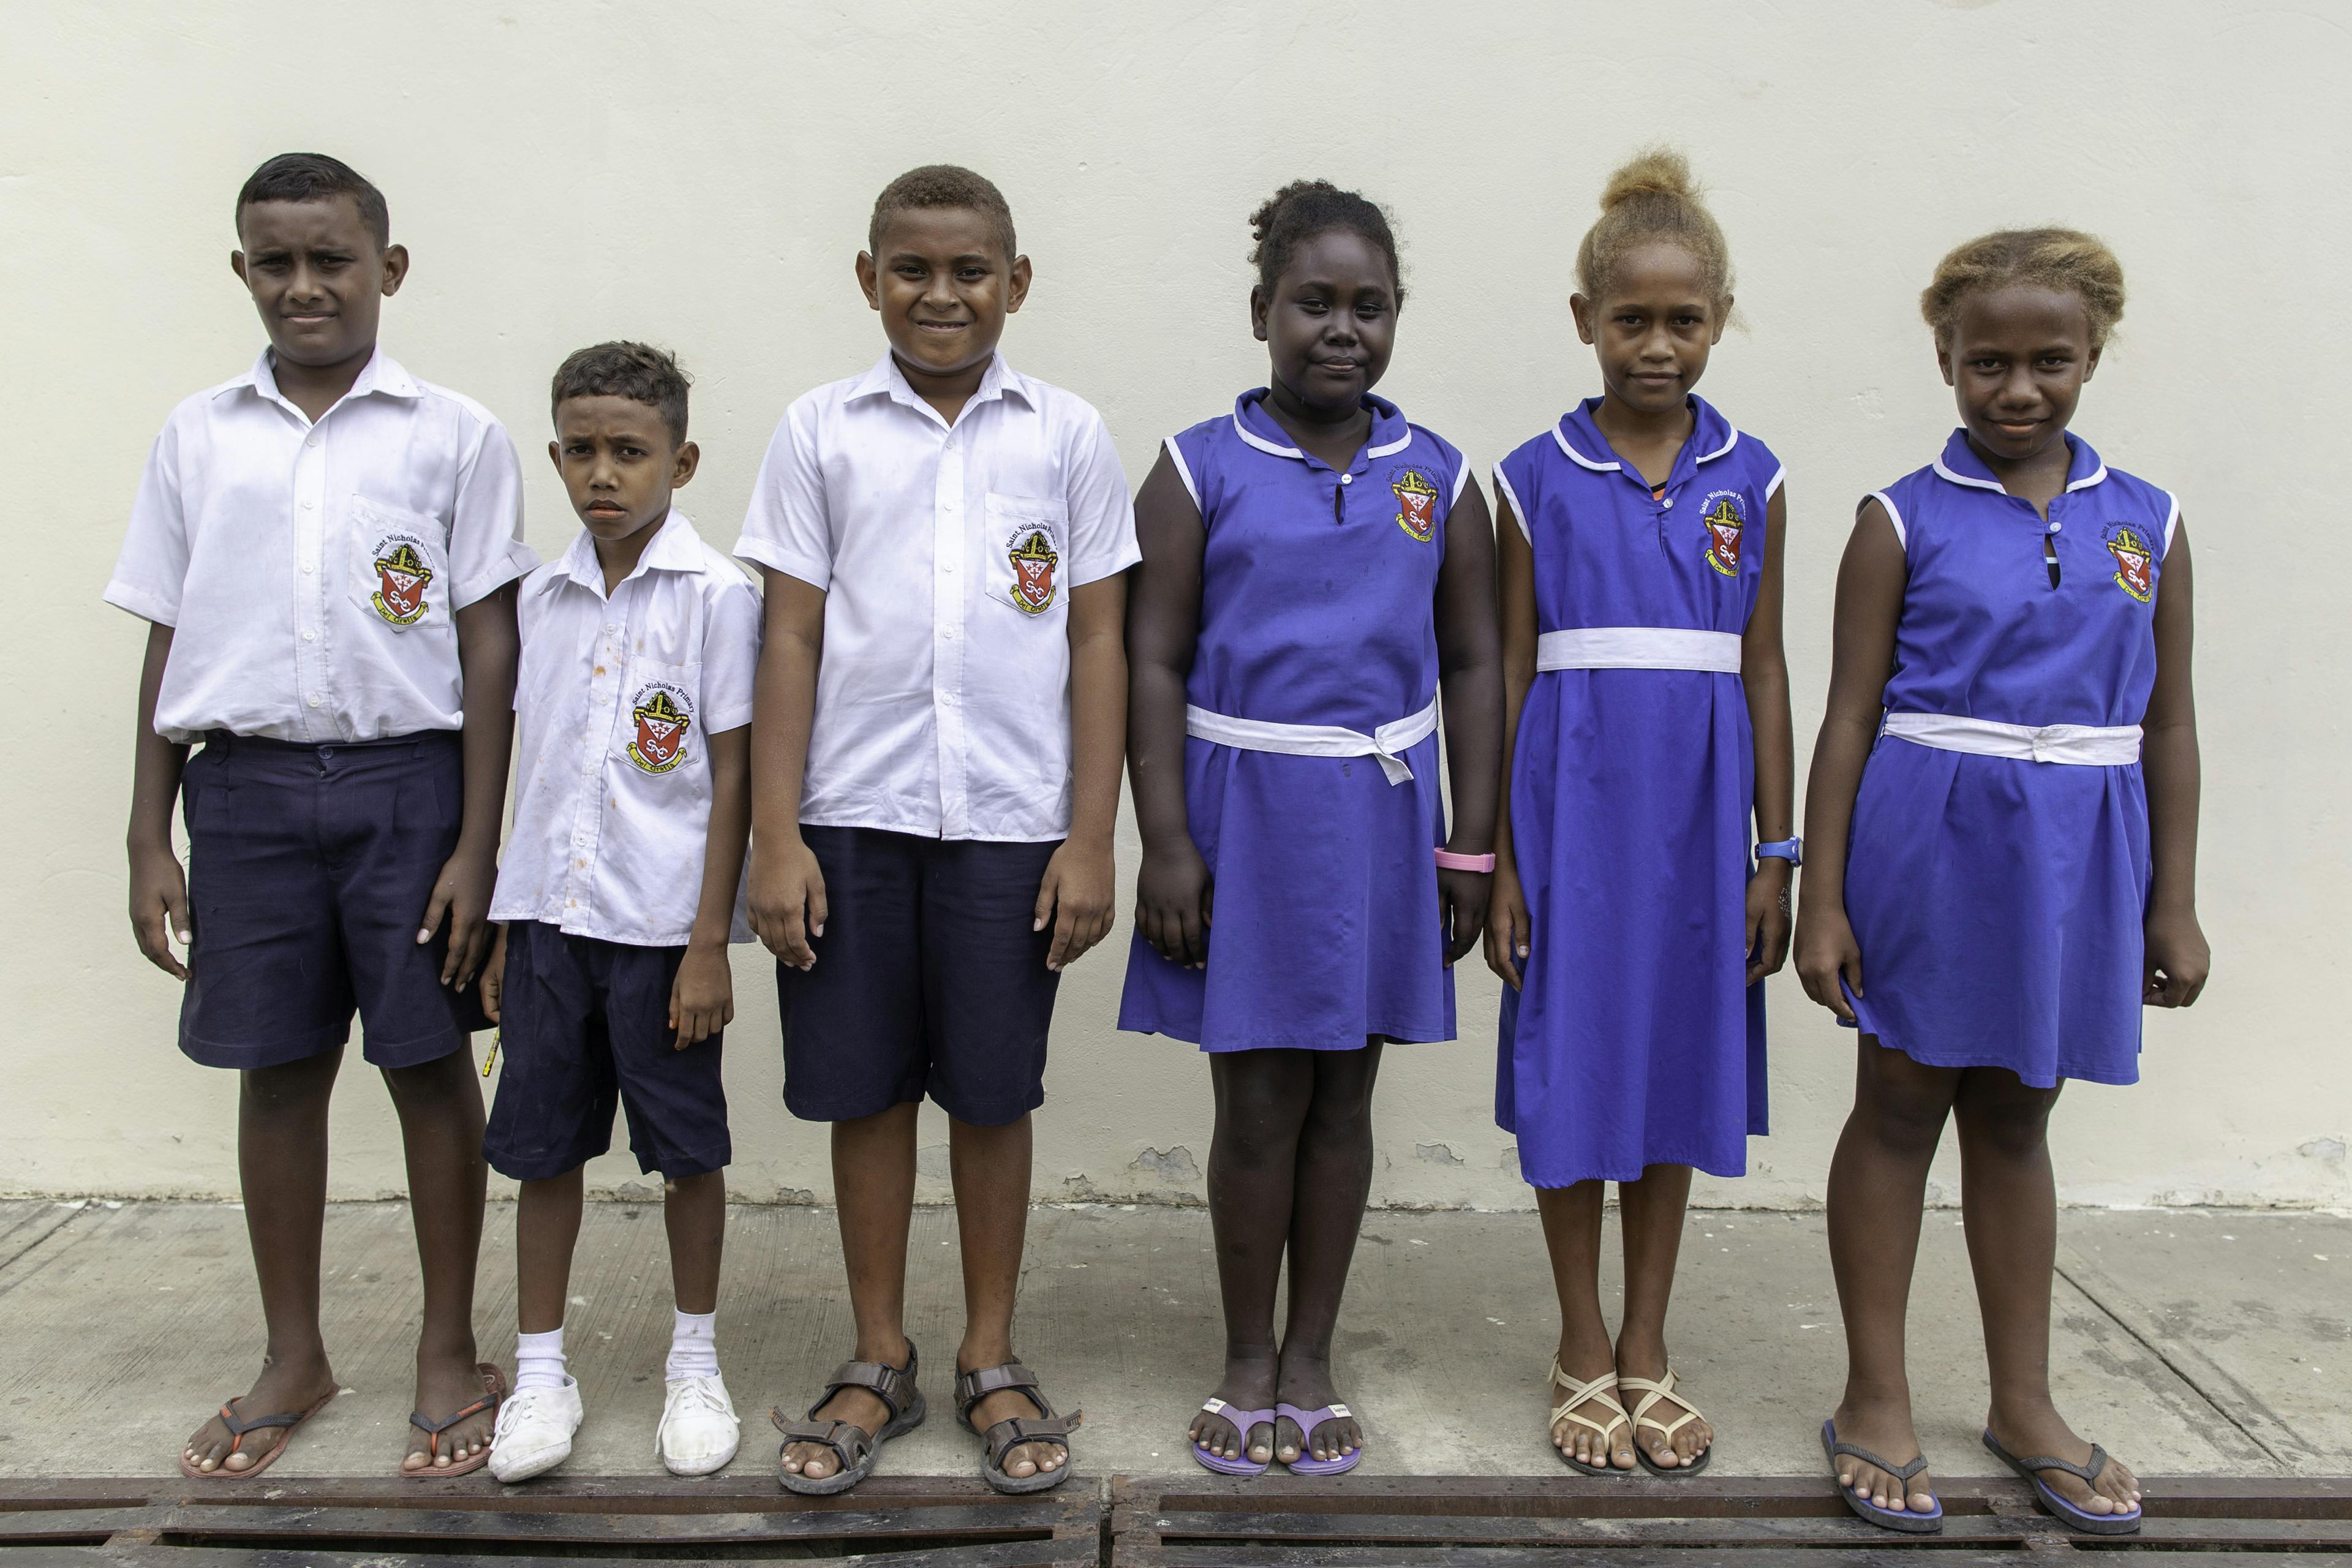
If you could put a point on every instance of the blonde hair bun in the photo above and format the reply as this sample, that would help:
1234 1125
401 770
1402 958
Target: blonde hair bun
1656 170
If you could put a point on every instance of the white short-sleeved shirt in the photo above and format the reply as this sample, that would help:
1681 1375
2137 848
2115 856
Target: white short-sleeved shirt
947 556
616 701
311 572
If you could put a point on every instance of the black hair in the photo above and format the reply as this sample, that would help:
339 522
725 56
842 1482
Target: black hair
635 370
943 185
315 177
1305 208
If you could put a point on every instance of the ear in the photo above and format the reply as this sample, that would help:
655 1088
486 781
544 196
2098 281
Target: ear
869 280
555 455
1259 305
237 265
1582 310
2091 365
395 269
690 457
1944 363
1722 319
1019 290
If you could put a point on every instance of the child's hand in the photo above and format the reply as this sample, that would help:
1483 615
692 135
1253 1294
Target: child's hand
1507 930
494 976
702 997
1767 919
1827 953
787 899
2178 960
462 892
159 906
1463 900
1080 881
1173 894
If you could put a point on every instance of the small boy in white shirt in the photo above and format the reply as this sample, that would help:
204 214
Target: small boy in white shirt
621 889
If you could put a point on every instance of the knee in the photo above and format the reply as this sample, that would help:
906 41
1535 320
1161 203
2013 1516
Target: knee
444 1081
1340 1113
1903 1123
2014 1130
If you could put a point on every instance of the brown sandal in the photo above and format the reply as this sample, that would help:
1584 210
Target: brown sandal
852 1444
1002 1438
494 1394
238 1428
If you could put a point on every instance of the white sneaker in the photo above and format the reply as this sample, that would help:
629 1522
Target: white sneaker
534 1431
698 1431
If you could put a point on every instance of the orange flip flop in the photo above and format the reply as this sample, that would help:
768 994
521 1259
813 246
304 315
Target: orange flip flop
238 1428
494 1392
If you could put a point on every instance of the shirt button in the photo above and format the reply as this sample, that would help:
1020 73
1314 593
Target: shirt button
307 568
1347 479
310 636
612 627
2056 526
1669 501
314 699
308 504
948 567
312 442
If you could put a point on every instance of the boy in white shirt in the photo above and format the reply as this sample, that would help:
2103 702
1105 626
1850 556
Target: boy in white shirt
621 888
943 707
325 549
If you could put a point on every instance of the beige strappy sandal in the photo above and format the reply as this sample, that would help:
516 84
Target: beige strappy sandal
1650 1394
1604 1388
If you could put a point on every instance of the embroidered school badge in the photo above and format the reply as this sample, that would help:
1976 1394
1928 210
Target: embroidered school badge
1416 496
1033 559
401 577
1724 527
663 714
2134 564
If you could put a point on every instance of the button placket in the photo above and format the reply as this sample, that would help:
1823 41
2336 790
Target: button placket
309 528
950 536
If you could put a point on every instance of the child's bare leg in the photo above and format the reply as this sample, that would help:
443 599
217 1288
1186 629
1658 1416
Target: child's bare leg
694 1213
281 1158
874 1191
2011 1200
1650 1213
989 1166
440 1108
1878 1182
1571 1226
1262 1099
1327 1214
547 1228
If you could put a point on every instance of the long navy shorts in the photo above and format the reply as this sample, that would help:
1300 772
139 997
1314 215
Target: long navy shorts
310 869
585 1023
928 980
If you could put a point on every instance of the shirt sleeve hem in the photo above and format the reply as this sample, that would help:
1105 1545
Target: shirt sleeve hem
727 719
519 561
1082 575
147 607
816 574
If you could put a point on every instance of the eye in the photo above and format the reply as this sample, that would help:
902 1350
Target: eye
628 451
972 274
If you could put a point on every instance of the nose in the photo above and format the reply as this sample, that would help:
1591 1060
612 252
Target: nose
2017 390
305 286
1658 346
940 291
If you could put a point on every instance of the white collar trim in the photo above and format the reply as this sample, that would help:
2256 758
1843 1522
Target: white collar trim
1261 443
1976 484
1399 444
1726 447
2087 481
1561 436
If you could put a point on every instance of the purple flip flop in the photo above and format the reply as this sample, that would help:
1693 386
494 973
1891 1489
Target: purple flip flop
1242 1420
2057 1507
1306 1464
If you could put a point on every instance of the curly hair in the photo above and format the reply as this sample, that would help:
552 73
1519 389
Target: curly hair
635 370
943 185
2064 259
1652 197
1305 208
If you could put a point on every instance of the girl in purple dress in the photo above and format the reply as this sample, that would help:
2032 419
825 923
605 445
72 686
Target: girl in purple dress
1316 572
2003 807
1648 705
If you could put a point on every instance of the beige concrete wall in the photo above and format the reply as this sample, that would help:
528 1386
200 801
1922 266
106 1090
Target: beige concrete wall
699 175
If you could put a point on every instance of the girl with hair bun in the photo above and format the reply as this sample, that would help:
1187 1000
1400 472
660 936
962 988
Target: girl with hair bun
2003 807
1648 725
1317 572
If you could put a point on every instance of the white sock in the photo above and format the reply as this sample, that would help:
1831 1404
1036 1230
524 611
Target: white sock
539 1361
693 1346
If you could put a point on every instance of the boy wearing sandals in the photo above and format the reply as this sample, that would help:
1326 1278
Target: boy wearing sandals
942 700
621 892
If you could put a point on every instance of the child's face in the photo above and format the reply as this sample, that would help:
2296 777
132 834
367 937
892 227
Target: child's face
943 285
2016 362
1654 328
1329 324
317 276
619 463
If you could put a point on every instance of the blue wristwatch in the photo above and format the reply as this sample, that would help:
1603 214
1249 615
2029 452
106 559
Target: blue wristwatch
1793 850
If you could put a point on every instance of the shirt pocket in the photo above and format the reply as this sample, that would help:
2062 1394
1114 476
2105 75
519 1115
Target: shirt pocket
1027 541
658 733
399 571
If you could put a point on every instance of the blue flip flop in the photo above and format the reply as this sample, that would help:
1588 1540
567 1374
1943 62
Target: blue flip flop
1908 1522
1307 1421
2058 1507
1242 1421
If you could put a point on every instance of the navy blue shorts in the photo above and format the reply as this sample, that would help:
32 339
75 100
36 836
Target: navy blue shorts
310 869
928 980
585 1023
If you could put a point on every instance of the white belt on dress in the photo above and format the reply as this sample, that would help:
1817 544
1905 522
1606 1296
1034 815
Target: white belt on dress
1638 647
2082 745
1389 743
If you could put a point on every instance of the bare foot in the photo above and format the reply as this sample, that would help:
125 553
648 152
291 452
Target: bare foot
444 1385
1581 1442
1306 1383
1690 1439
2033 1432
284 1388
1022 1460
1885 1428
1248 1385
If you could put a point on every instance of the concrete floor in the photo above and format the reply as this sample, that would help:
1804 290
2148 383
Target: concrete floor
2187 1340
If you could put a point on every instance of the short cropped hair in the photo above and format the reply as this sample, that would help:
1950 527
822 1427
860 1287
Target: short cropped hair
315 177
1305 208
637 371
2064 260
1652 197
943 185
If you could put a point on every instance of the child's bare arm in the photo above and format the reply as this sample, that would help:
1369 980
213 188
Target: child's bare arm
488 647
1507 929
702 999
1172 891
158 888
787 888
1764 674
1470 674
1081 879
2177 956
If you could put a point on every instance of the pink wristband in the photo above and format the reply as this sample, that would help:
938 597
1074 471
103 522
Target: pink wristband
1449 861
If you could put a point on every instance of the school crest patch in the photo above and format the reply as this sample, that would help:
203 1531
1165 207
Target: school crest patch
2134 564
1416 495
664 713
1034 560
1726 525
402 578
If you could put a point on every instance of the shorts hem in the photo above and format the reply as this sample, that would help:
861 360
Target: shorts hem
248 1058
701 1162
543 1167
414 1053
990 1118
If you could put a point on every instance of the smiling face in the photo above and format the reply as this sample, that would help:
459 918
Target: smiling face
1653 326
944 286
1329 323
317 278
619 463
2016 362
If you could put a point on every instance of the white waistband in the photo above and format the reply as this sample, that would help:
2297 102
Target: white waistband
1638 647
1387 743
2082 746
